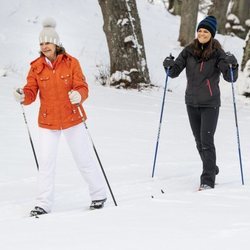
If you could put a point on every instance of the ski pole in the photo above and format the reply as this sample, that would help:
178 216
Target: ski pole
31 142
236 123
159 129
97 156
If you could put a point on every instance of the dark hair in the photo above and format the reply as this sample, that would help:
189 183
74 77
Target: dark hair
59 50
204 51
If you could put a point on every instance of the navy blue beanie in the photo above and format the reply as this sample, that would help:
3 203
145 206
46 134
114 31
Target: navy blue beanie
209 23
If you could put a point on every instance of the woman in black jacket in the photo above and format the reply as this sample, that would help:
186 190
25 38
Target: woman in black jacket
204 60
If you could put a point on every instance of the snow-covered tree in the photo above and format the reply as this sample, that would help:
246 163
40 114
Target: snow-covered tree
238 19
246 54
189 11
174 7
219 9
244 86
122 27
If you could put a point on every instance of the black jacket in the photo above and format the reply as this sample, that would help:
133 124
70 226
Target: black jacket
202 76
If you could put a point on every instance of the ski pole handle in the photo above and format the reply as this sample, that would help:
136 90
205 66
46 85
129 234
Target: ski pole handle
80 112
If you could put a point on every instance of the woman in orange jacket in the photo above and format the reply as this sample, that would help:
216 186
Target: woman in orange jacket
62 88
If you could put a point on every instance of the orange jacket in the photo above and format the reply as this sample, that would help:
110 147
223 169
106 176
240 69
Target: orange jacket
56 111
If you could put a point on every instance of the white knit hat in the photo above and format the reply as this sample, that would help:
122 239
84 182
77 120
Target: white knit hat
48 33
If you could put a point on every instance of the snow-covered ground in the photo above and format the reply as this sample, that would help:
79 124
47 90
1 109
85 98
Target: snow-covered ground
123 125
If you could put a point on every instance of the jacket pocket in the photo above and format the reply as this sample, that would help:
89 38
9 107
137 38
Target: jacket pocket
71 113
45 116
66 78
44 80
209 87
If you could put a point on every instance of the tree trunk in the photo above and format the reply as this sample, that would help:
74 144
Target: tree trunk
188 21
246 55
219 10
174 7
239 13
128 67
242 9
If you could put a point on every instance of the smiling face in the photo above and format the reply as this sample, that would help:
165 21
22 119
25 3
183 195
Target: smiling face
203 35
48 50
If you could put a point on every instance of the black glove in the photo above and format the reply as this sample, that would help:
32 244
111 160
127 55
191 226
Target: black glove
231 60
168 61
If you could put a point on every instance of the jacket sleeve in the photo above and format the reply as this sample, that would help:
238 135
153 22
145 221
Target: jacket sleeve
79 81
224 68
31 88
179 64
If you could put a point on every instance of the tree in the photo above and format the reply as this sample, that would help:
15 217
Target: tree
246 54
128 67
189 11
239 13
174 7
219 10
244 86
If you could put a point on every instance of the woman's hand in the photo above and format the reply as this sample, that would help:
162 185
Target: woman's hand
74 97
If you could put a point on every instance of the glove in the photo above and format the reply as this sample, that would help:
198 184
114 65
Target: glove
19 95
74 97
231 60
169 61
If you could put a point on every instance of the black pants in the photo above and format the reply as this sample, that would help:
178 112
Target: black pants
203 122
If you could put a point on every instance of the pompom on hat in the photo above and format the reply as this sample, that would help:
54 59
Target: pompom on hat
48 33
209 23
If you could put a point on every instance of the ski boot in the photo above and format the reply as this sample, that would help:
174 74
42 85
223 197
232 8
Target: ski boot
97 204
37 211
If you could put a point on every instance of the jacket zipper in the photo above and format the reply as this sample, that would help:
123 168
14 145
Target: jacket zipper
209 87
54 72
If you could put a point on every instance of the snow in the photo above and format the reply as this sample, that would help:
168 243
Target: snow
123 125
123 21
128 39
247 22
238 27
233 18
119 76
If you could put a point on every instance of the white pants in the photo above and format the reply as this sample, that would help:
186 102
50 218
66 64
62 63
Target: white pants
81 148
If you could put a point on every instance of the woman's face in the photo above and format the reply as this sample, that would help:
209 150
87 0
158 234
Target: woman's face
203 35
49 50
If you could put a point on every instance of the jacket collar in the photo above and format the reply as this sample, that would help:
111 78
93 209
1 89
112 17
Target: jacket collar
190 50
39 63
